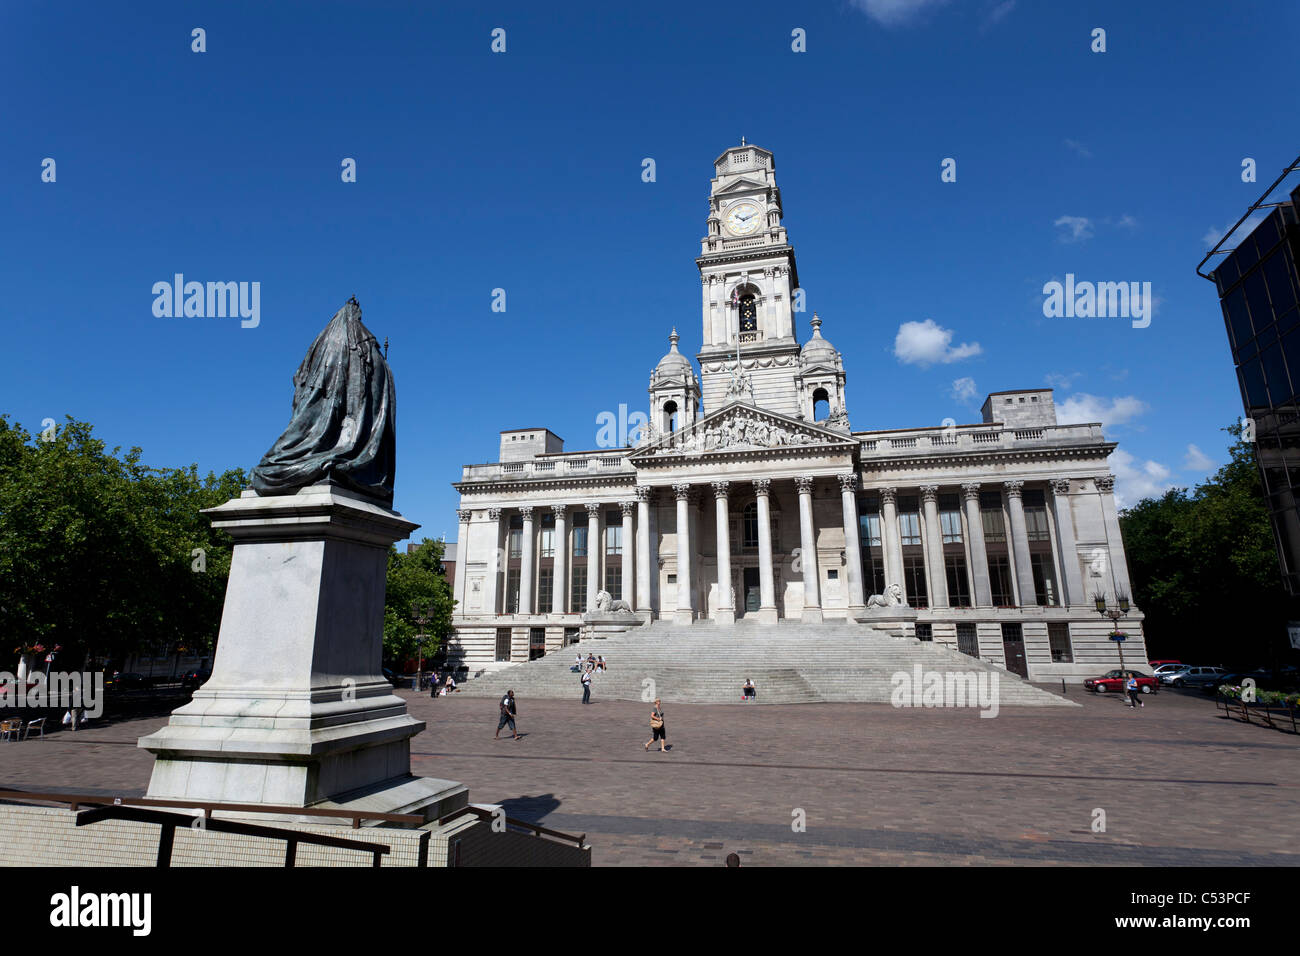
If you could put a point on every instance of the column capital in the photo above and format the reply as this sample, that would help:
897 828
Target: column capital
627 507
593 509
848 482
805 484
721 488
762 486
494 514
888 496
1013 488
970 490
930 493
1105 483
560 510
526 511
643 493
682 490
464 514
1060 486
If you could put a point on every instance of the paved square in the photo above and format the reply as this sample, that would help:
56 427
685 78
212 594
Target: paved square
1179 784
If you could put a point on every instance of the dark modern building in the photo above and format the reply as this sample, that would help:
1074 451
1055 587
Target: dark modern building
1259 291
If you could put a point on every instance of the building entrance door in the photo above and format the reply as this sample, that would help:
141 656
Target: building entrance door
753 596
1013 646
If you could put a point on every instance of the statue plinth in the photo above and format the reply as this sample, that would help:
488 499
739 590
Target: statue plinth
297 711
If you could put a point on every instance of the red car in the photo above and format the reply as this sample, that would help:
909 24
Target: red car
1113 682
1155 664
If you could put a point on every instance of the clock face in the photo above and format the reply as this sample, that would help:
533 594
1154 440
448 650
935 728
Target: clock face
743 218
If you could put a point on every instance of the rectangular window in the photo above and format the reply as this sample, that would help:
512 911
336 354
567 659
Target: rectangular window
924 631
578 589
968 640
614 581
580 541
995 530
516 543
512 591
1000 581
1036 515
958 583
1045 585
503 643
548 542
909 527
545 590
536 643
613 534
869 522
914 581
1058 636
950 526
873 570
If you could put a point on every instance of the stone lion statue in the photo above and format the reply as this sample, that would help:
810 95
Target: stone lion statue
605 603
893 597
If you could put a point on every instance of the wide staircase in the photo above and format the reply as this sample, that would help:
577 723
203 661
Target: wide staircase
707 664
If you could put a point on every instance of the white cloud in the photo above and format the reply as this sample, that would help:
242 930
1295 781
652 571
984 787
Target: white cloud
1135 480
963 389
1214 233
1083 408
1061 382
1197 460
999 13
1077 228
928 343
1079 148
892 13
1127 222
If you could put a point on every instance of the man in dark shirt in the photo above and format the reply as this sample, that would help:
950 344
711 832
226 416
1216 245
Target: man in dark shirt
507 708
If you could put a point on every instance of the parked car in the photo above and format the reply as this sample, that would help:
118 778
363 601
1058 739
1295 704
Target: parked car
1113 682
1196 677
1156 665
1169 668
127 681
192 680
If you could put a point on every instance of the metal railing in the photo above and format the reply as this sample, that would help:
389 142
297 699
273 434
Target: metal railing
1257 204
536 829
1237 708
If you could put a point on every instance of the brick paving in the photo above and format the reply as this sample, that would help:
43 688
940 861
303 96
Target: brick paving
1179 784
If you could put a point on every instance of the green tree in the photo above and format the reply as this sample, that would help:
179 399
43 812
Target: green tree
96 549
416 589
1204 567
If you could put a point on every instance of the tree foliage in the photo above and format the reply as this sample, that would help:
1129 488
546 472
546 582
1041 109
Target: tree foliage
416 590
97 549
1205 570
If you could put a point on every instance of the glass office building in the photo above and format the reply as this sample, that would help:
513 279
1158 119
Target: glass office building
1259 288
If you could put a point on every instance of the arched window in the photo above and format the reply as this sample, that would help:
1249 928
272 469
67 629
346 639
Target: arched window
821 405
748 313
749 527
670 417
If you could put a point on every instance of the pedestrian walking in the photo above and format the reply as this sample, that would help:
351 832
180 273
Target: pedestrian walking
433 684
657 730
1132 685
507 715
586 686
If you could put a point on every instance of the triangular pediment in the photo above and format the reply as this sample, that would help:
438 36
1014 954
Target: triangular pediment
740 426
740 186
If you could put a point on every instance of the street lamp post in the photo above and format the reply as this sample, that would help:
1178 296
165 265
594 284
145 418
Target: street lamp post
422 619
1114 613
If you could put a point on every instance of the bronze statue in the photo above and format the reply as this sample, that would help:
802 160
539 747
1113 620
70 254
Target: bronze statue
344 422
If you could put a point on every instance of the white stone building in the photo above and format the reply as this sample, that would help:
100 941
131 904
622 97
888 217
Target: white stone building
749 496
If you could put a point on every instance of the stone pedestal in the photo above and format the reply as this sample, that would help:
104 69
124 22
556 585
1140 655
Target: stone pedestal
297 711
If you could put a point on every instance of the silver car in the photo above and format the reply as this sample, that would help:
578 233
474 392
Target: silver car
1196 676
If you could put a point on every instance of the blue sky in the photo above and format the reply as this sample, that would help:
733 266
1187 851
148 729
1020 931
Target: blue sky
522 171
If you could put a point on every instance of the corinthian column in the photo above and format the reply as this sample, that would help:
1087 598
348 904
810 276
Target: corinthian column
726 610
766 585
1020 544
852 541
937 573
462 553
593 552
889 540
1114 540
979 556
642 549
496 567
629 559
812 605
685 608
560 582
526 563
1069 554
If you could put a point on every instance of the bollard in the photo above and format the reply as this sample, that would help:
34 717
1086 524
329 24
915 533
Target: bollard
1062 685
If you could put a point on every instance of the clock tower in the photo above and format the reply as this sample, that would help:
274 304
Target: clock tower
748 280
